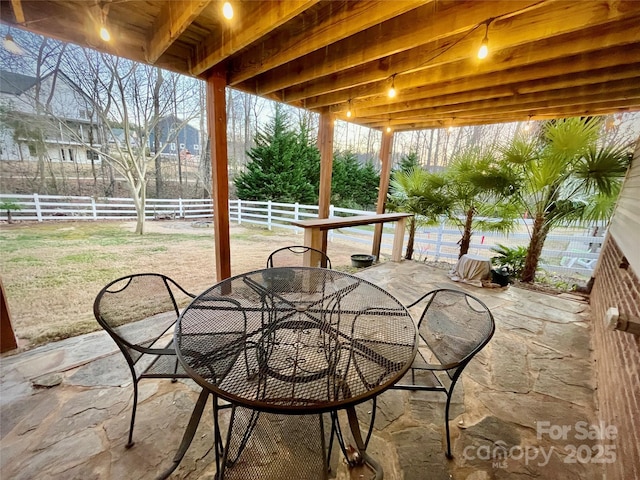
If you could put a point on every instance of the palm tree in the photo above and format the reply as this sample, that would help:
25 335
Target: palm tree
559 171
10 205
478 194
419 192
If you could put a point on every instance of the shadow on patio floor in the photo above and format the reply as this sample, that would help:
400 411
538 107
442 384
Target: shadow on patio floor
533 378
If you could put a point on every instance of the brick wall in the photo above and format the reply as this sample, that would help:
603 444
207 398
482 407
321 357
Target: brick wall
617 360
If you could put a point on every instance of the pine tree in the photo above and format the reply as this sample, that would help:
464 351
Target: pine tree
284 164
353 185
408 162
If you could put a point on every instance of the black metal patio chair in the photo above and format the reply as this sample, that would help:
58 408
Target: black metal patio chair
454 327
293 256
139 312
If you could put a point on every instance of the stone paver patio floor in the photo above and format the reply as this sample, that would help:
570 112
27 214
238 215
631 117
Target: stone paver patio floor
534 378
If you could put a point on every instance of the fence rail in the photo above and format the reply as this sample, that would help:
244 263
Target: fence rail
567 250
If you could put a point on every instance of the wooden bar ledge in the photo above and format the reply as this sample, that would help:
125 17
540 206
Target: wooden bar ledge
313 229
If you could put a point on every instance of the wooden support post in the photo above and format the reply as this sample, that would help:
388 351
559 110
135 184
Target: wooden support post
385 174
217 120
325 145
7 336
398 240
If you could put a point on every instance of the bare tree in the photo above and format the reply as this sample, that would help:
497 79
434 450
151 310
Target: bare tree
130 102
156 136
41 56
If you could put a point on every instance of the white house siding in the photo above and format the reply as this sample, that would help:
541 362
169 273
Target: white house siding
66 104
625 225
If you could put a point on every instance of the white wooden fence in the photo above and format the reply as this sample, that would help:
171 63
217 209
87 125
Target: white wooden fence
567 250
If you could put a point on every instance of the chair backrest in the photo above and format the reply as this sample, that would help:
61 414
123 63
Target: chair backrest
455 325
137 310
293 256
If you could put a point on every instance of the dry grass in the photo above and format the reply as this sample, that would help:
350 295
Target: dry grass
53 271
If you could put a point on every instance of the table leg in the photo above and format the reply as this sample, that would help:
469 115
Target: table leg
357 436
189 433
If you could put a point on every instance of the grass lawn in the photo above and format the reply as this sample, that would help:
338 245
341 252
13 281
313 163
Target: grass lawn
52 271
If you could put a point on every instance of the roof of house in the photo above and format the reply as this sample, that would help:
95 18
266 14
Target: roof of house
15 83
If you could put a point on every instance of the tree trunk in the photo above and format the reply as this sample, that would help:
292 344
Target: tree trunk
538 236
139 199
156 134
40 178
412 233
465 241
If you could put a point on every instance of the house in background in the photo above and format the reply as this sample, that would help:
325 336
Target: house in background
179 138
56 123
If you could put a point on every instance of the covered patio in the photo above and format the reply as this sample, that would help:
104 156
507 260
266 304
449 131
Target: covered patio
547 60
65 406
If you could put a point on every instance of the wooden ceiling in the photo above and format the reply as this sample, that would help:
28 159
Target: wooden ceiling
547 59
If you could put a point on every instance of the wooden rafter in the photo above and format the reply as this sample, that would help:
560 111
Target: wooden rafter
266 17
541 48
18 13
543 89
338 20
515 103
326 54
173 20
437 21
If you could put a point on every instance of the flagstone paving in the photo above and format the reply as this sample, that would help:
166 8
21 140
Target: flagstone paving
65 406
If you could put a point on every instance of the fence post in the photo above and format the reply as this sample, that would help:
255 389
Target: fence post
94 210
239 212
439 240
269 214
296 217
180 208
36 201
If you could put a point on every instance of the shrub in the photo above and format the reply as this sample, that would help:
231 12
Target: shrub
511 258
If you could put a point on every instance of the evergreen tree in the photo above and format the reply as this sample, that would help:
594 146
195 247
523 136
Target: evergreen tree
353 185
407 163
284 165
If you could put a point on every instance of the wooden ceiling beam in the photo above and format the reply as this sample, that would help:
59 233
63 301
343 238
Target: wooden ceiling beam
434 21
78 22
534 61
18 13
516 90
460 44
516 117
512 36
173 20
562 97
586 105
546 49
266 17
532 78
339 20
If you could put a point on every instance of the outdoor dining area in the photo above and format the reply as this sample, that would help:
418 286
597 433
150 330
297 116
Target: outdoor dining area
307 372
300 370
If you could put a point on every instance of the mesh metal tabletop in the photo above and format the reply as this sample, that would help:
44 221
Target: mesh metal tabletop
296 339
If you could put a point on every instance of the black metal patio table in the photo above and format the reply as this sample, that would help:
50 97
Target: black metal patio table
295 340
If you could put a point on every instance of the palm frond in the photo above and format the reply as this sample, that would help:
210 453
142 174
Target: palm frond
570 136
602 168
